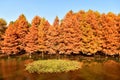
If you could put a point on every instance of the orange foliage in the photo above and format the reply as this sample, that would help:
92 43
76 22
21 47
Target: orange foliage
90 42
52 37
10 43
15 36
69 35
42 31
110 34
86 32
31 39
56 21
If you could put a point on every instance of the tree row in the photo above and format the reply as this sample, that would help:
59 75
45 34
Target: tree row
81 32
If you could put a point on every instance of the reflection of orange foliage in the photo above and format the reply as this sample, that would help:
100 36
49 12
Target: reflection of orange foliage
13 69
107 70
28 61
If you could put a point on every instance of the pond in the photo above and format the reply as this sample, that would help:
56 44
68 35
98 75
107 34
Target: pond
93 68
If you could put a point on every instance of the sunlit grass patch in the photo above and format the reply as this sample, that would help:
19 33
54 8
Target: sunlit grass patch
52 66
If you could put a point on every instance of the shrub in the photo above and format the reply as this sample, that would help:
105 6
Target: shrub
52 66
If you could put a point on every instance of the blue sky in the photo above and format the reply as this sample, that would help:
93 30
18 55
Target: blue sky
11 9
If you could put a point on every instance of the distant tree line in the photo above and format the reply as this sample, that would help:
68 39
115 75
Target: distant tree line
82 32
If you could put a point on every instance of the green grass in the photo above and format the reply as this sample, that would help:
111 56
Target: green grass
52 66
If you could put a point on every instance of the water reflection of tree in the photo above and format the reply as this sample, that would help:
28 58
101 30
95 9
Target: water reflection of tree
108 70
14 70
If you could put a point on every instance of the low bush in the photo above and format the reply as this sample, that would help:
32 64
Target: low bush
52 66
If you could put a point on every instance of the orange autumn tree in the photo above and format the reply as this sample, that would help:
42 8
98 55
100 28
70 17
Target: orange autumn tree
70 34
90 41
118 30
15 36
53 37
31 40
10 43
42 31
3 28
22 30
110 34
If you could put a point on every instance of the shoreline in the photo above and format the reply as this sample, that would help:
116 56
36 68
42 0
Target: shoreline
58 55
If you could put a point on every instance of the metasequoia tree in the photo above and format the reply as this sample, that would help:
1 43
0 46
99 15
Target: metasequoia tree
118 30
10 43
3 27
53 37
22 30
70 35
110 34
15 36
31 40
90 41
42 31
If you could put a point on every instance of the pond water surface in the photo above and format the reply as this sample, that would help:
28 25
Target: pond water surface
92 69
